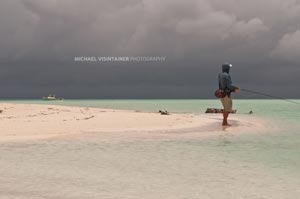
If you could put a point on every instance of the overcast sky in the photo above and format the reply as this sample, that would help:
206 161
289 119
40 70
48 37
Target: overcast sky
40 38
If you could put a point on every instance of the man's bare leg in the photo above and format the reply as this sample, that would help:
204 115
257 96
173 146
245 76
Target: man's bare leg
225 116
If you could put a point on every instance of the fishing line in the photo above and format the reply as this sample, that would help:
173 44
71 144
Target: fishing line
247 95
271 96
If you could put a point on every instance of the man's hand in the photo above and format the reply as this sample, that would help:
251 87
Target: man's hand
237 90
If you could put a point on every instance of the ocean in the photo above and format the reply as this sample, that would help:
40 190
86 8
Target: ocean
264 165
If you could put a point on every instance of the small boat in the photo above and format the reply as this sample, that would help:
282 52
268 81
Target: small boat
52 97
216 110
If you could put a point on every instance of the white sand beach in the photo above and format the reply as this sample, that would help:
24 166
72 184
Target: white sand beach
50 151
30 121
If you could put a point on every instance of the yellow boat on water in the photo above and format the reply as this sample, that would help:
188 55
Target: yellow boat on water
52 97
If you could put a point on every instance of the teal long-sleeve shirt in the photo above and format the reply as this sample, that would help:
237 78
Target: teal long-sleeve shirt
225 82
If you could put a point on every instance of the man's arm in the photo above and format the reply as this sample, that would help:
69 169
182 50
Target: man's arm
229 85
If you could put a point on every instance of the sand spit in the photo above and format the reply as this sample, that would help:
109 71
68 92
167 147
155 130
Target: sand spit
29 121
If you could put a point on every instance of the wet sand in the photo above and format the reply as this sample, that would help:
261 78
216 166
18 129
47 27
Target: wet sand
73 152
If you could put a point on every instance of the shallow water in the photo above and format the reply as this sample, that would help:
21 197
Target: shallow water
108 166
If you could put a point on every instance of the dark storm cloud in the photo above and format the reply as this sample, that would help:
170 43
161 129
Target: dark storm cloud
40 38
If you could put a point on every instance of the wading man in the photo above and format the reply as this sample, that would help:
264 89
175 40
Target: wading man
226 86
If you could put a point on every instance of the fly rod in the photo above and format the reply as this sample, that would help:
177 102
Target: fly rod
271 96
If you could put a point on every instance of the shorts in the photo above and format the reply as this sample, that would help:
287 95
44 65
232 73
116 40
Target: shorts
227 103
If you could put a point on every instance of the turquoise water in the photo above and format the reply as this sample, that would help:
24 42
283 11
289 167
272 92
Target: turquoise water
225 166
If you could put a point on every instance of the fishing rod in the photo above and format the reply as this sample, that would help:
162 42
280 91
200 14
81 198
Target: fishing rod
271 96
